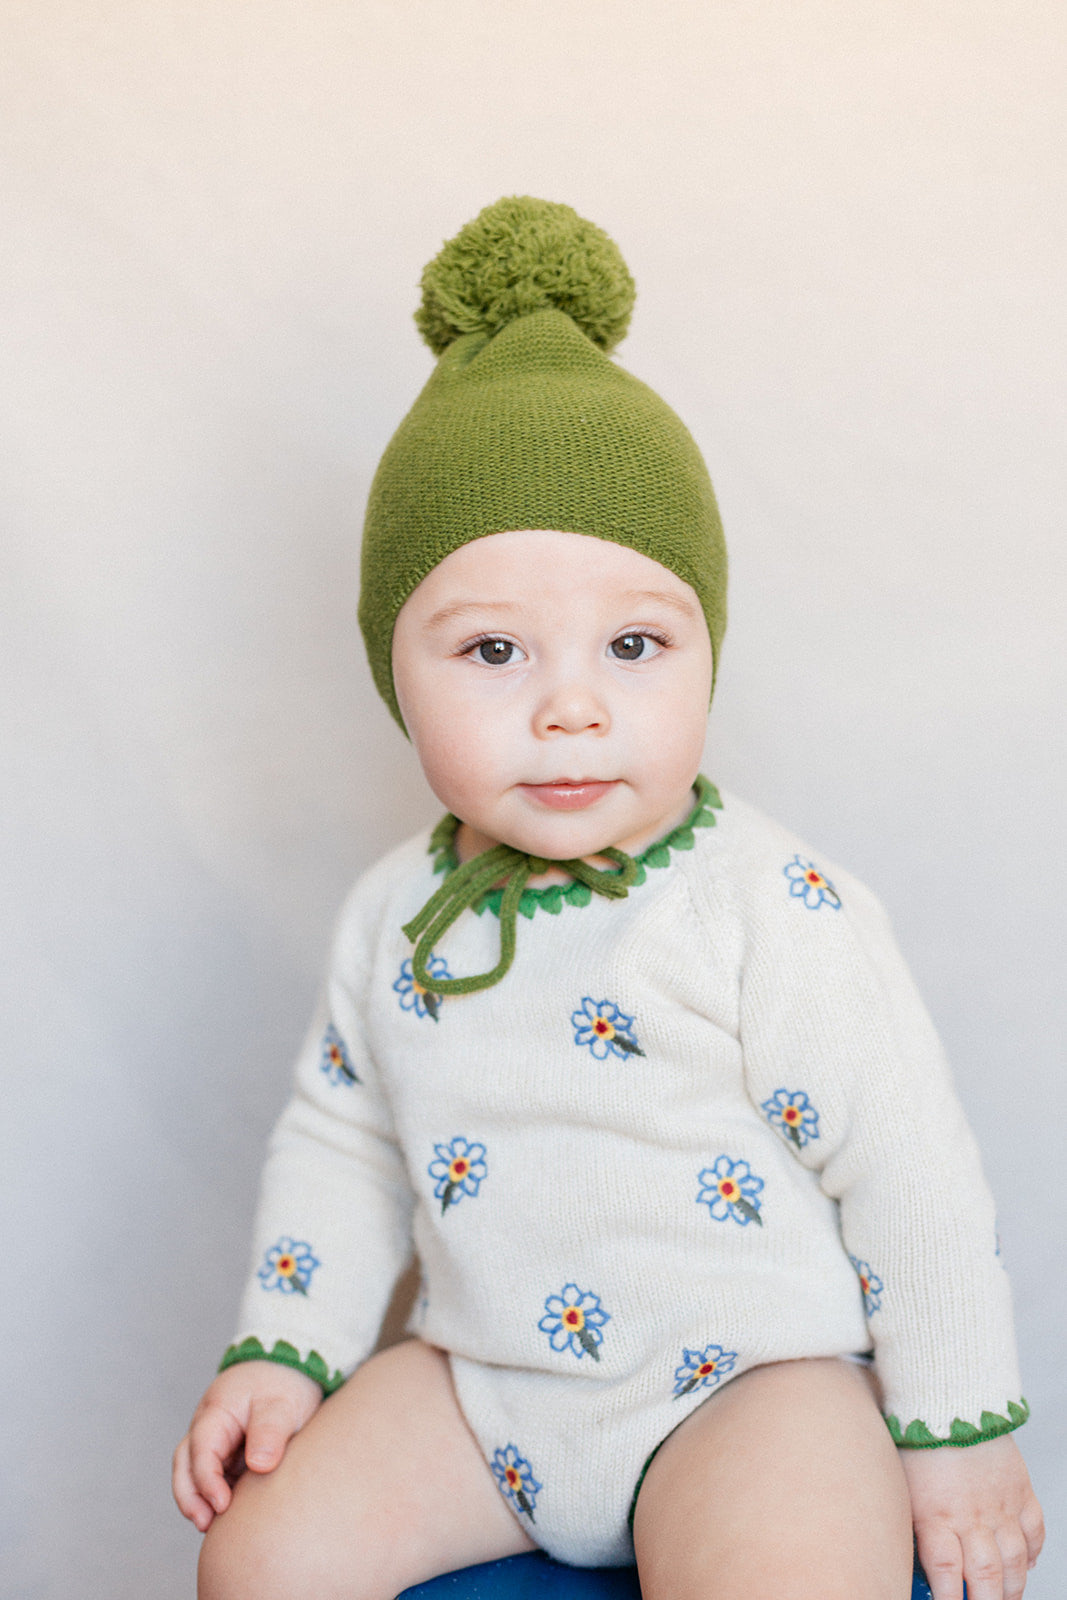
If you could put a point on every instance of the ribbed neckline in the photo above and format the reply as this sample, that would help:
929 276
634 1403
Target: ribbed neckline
556 895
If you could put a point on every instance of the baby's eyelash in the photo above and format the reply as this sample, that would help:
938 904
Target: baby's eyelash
480 638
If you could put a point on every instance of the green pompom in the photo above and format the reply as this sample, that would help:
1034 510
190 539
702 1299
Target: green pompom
523 255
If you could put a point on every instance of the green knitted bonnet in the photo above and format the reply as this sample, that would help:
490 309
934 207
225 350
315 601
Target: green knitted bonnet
526 422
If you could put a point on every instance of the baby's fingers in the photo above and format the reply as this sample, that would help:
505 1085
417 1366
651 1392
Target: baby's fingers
942 1560
982 1566
1014 1560
214 1440
190 1502
271 1424
1033 1525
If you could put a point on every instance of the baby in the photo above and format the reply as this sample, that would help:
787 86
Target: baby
709 1269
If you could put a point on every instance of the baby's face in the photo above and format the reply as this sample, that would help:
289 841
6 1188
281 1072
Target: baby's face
556 689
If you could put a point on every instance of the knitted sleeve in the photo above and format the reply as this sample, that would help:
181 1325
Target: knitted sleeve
333 1225
842 1059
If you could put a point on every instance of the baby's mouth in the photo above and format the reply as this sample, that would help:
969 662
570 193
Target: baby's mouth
569 794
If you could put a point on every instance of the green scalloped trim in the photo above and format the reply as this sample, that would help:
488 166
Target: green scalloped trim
557 895
917 1436
286 1355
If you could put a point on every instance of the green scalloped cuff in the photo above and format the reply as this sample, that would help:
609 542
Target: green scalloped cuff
917 1436
286 1355
557 895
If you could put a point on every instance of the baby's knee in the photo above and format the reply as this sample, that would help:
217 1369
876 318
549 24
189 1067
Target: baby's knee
252 1552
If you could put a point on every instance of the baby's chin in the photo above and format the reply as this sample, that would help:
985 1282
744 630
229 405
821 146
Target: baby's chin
610 823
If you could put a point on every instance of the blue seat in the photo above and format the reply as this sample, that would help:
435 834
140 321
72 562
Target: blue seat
538 1577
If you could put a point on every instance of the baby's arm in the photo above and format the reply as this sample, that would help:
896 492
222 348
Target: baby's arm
834 1033
258 1405
976 1517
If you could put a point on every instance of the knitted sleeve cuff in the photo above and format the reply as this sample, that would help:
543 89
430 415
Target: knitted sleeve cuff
286 1355
917 1436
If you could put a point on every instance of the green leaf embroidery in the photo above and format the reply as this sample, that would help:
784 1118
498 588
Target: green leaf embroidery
286 1355
917 1436
748 1210
585 1339
524 1504
793 1132
446 1198
432 1003
629 1046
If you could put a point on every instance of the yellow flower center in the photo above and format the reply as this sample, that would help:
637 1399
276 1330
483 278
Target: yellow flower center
705 1369
459 1169
418 988
603 1028
513 1478
791 1114
816 878
865 1283
728 1189
286 1265
574 1319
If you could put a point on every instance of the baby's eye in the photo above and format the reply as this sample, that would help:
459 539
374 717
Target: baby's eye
496 652
635 647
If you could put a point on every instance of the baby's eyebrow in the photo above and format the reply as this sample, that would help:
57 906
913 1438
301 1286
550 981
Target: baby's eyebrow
467 608
663 597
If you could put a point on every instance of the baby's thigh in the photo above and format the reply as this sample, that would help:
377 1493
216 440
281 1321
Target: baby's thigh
786 1483
383 1488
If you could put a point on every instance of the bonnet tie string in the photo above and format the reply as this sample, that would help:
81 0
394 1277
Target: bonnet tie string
466 885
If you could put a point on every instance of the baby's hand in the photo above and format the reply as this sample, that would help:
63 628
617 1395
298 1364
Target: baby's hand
976 1517
259 1404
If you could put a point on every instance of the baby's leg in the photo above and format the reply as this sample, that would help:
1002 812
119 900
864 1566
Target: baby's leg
787 1484
383 1488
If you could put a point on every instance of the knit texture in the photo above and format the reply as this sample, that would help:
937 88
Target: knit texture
526 422
692 1131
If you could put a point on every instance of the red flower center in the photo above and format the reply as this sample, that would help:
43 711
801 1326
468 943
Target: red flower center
513 1477
727 1188
600 1026
814 877
791 1114
459 1167
571 1318
286 1265
705 1369
865 1283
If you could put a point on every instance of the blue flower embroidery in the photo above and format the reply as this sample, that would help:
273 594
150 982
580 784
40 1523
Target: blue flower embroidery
334 1061
730 1189
807 883
288 1266
871 1285
703 1369
573 1320
413 997
792 1112
458 1170
605 1029
515 1476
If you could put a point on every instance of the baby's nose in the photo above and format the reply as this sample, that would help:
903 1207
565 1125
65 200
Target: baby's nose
572 708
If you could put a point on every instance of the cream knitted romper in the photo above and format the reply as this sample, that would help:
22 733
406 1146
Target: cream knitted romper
696 1130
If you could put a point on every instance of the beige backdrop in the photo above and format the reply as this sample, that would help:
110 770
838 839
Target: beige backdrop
845 220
